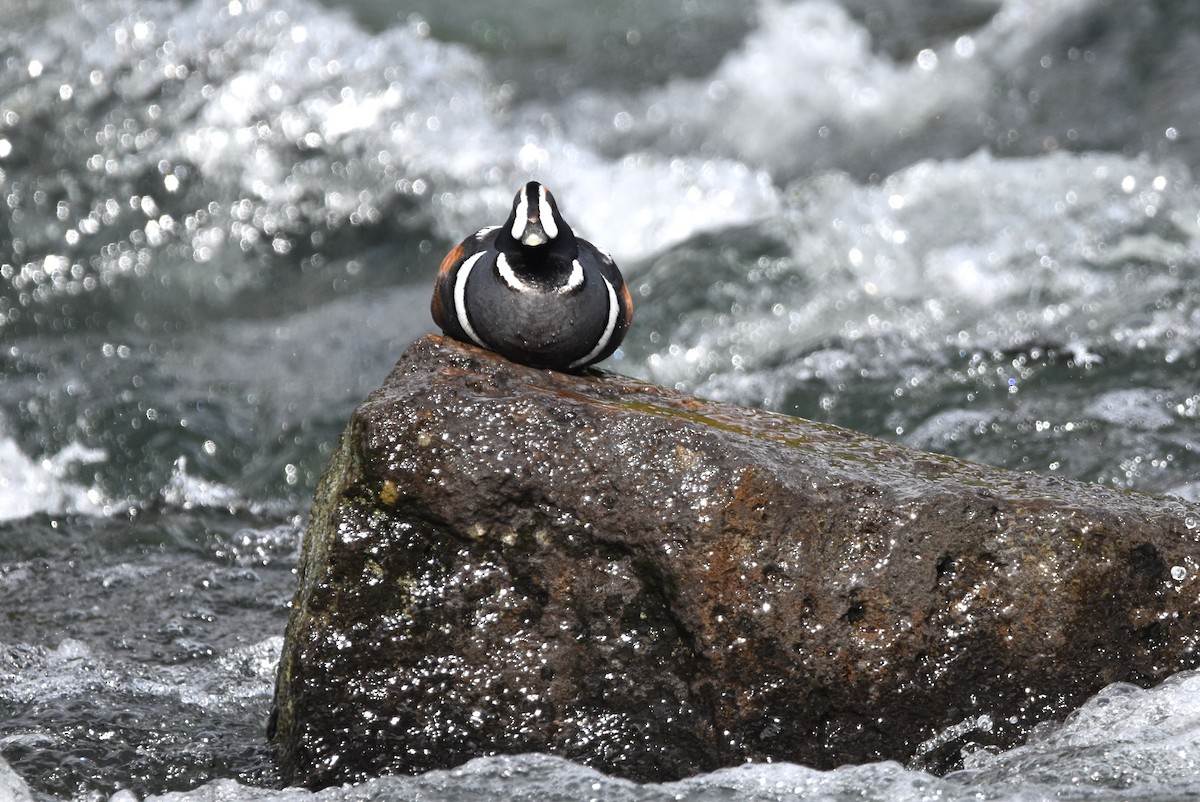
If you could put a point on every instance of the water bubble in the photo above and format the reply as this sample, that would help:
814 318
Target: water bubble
1178 573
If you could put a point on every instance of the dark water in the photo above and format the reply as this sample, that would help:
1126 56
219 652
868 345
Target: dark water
970 226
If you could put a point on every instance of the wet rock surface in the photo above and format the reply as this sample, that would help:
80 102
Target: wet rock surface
502 559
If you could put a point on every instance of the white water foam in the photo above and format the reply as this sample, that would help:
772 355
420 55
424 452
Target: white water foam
308 121
187 491
74 670
809 91
973 253
12 787
30 486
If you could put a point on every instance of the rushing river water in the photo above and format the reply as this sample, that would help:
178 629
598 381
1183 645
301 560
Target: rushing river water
970 226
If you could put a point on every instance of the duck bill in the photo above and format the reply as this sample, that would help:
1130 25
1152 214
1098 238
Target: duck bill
533 235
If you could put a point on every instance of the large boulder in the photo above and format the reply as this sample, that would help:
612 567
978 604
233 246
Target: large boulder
502 559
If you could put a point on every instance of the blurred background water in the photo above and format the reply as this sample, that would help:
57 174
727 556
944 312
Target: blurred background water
970 226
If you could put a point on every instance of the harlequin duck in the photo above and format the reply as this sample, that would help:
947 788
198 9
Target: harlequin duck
532 291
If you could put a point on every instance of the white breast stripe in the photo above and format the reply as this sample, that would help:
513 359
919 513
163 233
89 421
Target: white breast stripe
609 328
574 281
522 218
510 277
546 215
460 291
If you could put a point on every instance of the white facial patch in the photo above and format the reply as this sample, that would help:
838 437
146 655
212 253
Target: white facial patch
522 216
460 292
546 214
609 328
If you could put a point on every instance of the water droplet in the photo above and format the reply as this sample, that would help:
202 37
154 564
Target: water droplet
1178 573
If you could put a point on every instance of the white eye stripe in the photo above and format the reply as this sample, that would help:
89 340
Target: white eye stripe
609 328
546 214
518 226
460 304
